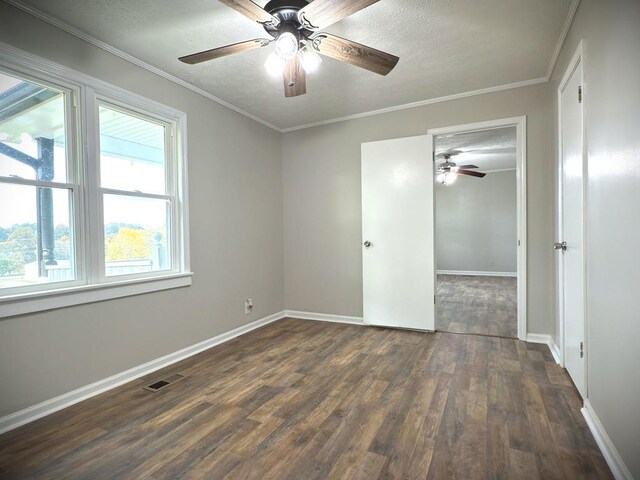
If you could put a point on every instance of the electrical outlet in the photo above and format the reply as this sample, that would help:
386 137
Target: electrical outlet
248 306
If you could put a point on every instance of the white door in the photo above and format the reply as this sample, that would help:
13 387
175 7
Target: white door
572 228
397 233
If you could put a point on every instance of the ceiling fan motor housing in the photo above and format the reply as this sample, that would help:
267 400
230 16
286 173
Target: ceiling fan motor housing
287 12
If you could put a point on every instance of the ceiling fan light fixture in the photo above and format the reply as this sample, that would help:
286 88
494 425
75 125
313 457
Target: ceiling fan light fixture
287 45
447 178
291 25
310 60
275 65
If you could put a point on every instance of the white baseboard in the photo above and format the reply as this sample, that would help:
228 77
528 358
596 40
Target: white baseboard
476 273
29 414
547 340
555 351
47 407
324 317
609 452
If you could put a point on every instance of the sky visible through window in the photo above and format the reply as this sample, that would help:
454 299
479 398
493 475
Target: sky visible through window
16 210
132 158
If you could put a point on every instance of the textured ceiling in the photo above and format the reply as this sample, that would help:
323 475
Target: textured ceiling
493 149
446 47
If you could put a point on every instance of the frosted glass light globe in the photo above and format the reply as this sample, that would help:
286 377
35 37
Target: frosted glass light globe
287 45
310 60
275 65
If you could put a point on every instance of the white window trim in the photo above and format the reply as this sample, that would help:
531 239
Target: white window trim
172 183
89 286
67 297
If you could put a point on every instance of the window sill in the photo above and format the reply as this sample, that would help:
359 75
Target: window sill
66 297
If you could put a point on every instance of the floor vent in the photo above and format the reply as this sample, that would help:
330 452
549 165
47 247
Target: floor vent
159 385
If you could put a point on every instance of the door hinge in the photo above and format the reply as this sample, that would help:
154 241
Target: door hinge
434 299
580 94
581 349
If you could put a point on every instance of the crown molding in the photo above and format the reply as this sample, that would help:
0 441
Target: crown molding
130 58
421 103
552 64
172 78
573 9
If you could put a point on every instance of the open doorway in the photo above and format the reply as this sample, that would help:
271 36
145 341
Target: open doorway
479 230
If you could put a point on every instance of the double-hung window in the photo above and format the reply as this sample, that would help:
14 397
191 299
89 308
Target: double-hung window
92 191
137 192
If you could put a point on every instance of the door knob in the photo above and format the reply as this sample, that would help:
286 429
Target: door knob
367 244
560 246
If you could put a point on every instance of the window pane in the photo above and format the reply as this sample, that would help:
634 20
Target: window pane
32 131
35 248
136 235
132 155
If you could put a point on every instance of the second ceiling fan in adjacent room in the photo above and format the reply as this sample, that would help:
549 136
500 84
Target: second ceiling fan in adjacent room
294 26
448 171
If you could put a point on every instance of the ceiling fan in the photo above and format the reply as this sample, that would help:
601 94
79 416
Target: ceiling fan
294 26
447 172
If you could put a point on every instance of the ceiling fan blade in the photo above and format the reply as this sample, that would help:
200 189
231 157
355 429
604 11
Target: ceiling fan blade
224 51
251 10
322 13
354 53
295 78
468 166
471 174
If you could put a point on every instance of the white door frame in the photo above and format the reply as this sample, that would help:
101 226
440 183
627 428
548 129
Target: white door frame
521 180
576 60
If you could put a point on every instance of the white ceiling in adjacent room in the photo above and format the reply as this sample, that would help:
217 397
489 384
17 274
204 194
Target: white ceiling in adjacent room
446 47
493 149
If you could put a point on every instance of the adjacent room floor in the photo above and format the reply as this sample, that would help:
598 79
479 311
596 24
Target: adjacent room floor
479 305
312 400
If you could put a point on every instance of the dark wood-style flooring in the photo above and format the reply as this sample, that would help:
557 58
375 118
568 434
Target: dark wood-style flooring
479 305
311 400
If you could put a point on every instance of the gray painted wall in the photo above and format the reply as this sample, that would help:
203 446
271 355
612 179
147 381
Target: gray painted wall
476 224
611 32
322 198
235 200
240 172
